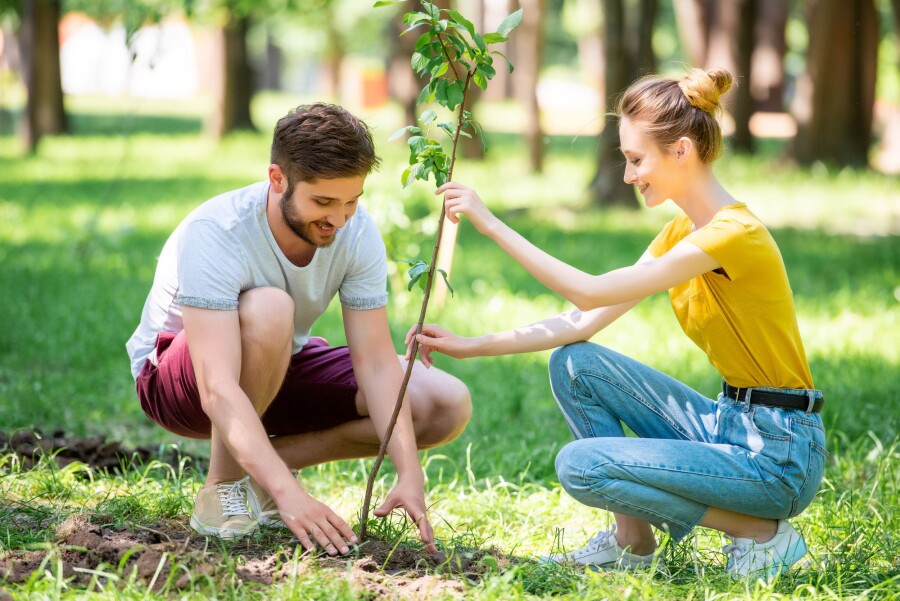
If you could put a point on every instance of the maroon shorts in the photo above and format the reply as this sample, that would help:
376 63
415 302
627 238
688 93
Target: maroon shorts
319 390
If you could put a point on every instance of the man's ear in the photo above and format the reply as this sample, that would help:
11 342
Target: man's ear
277 179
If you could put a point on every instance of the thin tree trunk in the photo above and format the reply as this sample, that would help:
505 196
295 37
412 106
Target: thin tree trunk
236 86
608 187
44 112
692 29
742 102
767 70
835 97
645 57
473 148
530 39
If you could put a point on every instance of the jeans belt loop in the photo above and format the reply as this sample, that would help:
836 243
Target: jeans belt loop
747 398
811 395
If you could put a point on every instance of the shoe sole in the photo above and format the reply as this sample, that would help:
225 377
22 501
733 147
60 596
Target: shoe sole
224 533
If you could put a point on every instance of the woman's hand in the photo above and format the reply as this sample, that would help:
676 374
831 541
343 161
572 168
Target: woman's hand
435 338
459 199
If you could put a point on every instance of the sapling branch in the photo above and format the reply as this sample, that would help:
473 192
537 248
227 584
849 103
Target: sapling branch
427 156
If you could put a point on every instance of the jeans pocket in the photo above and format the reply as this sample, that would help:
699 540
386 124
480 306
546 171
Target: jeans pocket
814 471
773 428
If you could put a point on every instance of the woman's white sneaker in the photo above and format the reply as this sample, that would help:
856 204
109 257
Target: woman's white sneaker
603 551
765 560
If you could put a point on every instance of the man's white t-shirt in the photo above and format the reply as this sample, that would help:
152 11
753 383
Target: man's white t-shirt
225 247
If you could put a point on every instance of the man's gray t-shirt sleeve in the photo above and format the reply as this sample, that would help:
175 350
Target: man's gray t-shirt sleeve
365 284
211 268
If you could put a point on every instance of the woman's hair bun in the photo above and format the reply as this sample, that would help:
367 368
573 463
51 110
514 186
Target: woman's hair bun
703 88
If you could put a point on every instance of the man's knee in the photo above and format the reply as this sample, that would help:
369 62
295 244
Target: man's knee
443 413
267 318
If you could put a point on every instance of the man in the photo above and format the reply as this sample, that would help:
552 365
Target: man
223 350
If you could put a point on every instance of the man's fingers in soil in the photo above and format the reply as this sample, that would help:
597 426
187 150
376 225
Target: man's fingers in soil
343 528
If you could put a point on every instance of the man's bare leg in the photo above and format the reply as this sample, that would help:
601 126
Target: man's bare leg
441 408
267 328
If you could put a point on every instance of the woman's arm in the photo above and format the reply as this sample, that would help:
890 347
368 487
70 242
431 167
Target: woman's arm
682 263
559 330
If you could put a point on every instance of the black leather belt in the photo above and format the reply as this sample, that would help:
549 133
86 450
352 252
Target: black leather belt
811 403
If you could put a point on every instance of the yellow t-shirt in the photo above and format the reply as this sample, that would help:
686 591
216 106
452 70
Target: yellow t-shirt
743 318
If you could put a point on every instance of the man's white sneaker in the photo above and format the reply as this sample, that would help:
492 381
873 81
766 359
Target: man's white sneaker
765 560
222 511
262 506
604 552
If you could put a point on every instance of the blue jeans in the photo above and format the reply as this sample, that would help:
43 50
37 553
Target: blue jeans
692 453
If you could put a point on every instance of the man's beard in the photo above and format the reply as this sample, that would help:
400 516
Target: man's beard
303 229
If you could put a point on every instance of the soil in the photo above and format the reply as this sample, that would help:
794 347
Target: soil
30 445
87 547
377 571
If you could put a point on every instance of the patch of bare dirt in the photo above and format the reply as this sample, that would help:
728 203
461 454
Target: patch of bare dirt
377 571
94 451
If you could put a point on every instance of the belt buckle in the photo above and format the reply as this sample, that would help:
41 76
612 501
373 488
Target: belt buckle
811 396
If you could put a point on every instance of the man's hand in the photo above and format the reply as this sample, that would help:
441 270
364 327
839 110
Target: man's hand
435 338
411 497
309 519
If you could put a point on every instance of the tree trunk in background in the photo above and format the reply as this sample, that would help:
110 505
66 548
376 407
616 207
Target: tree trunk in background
836 95
39 36
236 86
608 188
742 97
270 76
528 66
494 12
767 69
403 83
473 148
334 55
723 35
643 56
693 30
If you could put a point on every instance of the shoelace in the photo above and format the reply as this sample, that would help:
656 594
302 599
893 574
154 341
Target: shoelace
596 542
233 499
736 550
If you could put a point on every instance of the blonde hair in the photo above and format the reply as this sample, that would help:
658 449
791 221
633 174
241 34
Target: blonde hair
669 109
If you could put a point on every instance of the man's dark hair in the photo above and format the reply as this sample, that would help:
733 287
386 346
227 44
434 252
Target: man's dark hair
322 141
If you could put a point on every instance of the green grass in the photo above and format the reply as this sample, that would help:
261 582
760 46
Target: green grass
83 220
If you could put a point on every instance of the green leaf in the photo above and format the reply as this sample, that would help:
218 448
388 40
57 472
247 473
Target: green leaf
454 94
441 70
422 41
480 80
418 268
447 127
494 38
406 178
412 282
506 59
381 3
419 62
487 69
428 116
427 93
510 23
461 20
440 93
479 41
399 133
446 280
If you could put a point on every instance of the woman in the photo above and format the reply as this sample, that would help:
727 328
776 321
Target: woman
742 463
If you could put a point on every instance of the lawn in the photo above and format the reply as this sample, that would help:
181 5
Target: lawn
83 220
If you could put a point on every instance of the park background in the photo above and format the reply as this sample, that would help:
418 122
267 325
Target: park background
117 118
